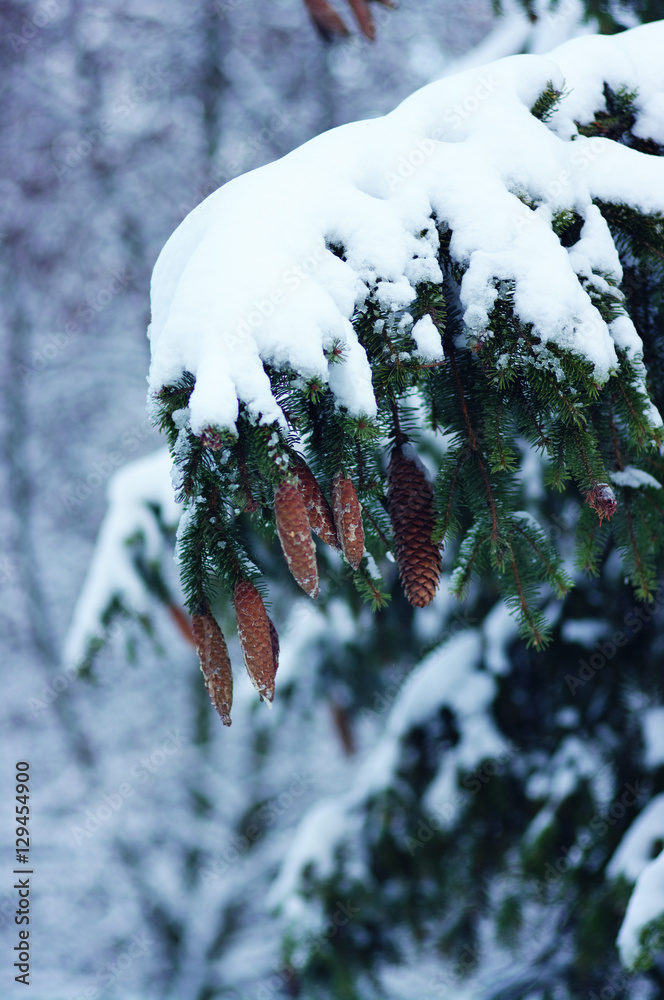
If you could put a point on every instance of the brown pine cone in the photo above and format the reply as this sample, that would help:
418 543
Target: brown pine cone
602 499
347 512
329 23
257 637
215 663
364 19
274 639
182 620
295 536
410 504
326 19
318 509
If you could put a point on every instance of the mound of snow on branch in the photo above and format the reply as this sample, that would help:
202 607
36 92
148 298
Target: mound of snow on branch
271 268
134 494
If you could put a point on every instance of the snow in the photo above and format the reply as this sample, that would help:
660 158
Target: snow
322 829
500 630
635 850
427 338
653 737
584 631
450 675
571 762
634 478
646 904
250 276
307 628
115 207
515 32
132 492
560 777
635 62
625 336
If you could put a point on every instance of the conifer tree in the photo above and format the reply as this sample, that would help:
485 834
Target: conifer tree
609 17
457 436
468 372
465 353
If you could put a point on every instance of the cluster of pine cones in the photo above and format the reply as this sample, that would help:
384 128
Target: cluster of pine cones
300 507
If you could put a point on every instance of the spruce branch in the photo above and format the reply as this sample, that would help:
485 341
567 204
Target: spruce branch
487 371
531 628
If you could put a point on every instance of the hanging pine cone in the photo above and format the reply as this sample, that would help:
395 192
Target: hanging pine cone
602 499
326 19
318 509
295 536
258 638
215 663
274 640
183 622
347 512
410 504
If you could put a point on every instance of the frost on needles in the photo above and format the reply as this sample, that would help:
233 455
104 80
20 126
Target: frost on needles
466 270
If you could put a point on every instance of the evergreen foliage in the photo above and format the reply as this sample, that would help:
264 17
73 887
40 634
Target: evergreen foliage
610 17
491 396
531 878
510 854
520 864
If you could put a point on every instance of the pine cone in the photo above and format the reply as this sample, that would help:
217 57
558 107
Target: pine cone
183 622
347 512
215 663
410 503
318 509
603 500
326 19
364 19
329 23
258 638
274 639
295 537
